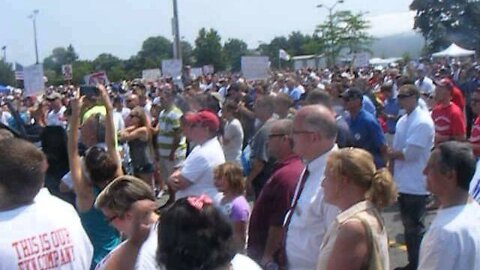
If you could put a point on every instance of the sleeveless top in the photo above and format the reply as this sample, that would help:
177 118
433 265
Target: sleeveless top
103 236
140 153
371 219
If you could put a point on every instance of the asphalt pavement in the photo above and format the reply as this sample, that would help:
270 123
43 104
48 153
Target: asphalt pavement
398 250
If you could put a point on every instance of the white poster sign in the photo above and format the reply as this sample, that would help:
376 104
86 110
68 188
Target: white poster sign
33 81
96 78
67 72
208 69
151 75
196 72
255 67
361 60
172 67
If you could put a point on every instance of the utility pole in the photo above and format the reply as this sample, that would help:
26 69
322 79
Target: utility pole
177 49
33 16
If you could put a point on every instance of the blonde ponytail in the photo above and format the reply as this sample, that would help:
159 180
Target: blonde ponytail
382 191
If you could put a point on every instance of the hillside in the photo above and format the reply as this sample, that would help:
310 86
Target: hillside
396 45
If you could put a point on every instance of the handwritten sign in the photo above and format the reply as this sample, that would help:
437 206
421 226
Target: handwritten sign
172 67
67 72
151 75
255 67
96 78
33 79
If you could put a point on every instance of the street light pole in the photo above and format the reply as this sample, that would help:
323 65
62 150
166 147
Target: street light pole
33 16
4 49
330 26
177 48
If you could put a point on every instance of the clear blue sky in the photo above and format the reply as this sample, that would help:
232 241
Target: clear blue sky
120 26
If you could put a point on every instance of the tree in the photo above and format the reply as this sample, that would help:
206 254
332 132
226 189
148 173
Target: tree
187 52
271 50
112 65
343 30
154 50
106 61
81 68
7 76
295 43
208 49
52 64
442 22
313 45
60 56
234 49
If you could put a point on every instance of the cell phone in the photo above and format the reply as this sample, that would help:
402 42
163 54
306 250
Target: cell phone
89 91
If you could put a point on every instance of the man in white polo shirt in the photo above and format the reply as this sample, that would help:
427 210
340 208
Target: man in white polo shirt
411 148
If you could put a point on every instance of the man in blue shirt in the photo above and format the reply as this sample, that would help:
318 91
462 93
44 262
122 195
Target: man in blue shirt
364 127
391 110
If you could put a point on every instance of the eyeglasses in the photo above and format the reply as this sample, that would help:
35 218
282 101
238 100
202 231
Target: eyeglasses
276 135
400 96
132 115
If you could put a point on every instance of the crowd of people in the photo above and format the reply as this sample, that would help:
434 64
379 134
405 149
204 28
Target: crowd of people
291 172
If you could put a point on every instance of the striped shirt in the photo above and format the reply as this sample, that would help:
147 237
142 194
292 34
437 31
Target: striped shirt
169 123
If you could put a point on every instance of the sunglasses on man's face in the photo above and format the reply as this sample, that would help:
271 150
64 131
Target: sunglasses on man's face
401 96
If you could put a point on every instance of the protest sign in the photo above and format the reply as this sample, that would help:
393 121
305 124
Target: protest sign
196 72
96 78
33 79
67 72
255 67
361 60
151 75
208 69
172 67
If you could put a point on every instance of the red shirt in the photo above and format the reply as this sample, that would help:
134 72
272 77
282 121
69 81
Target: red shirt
475 134
272 204
458 98
449 120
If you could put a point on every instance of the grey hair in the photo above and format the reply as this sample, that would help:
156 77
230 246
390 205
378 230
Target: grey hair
285 126
316 119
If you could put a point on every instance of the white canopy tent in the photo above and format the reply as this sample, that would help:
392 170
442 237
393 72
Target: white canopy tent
383 62
454 51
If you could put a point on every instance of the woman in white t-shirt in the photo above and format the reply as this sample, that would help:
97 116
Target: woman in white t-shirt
232 134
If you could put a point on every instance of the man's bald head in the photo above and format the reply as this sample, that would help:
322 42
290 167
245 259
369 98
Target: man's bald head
319 119
132 101
314 131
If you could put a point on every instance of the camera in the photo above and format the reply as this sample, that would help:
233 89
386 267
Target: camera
89 91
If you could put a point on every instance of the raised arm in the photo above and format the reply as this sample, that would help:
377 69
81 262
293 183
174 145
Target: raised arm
82 189
110 137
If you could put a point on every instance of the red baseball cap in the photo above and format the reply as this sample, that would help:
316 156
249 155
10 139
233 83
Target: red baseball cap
206 118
